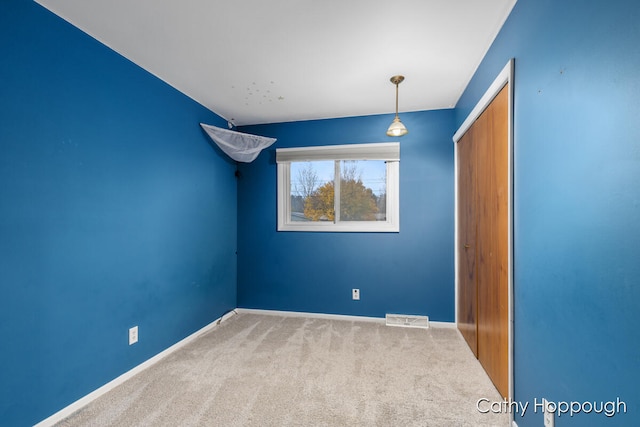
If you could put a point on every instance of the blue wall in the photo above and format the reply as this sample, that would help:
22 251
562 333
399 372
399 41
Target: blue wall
408 272
577 200
115 211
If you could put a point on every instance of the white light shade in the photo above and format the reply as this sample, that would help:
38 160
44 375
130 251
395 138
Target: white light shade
397 128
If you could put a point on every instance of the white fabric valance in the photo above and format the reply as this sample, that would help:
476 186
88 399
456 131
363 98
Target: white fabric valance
388 151
241 147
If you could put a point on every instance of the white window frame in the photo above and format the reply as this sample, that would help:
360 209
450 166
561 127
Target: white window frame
388 151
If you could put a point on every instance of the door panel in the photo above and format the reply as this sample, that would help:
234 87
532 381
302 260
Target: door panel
467 289
492 209
483 240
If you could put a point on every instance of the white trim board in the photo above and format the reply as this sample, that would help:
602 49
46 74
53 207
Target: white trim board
333 316
310 315
83 401
505 76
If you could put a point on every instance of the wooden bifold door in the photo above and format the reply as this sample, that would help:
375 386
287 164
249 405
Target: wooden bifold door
483 239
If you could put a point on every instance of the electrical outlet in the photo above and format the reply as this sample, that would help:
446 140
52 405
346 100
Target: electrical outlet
355 294
549 413
133 335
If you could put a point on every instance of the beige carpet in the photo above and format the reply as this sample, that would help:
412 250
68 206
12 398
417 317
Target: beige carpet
267 370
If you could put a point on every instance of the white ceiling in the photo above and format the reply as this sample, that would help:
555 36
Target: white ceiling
259 61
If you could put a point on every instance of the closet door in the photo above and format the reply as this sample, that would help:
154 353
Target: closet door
467 290
483 240
493 242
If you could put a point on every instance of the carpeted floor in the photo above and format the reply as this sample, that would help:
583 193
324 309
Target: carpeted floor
267 370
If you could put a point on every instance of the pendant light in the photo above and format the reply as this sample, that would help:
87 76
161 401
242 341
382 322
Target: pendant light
397 128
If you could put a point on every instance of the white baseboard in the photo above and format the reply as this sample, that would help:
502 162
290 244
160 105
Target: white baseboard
332 316
65 412
310 315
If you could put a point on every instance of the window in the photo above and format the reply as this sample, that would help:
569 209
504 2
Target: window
352 188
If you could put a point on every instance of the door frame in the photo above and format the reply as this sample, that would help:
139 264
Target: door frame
505 77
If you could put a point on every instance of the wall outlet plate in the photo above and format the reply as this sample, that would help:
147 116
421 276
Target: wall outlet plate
355 294
133 335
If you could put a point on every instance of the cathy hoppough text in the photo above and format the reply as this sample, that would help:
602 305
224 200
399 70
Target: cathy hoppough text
609 408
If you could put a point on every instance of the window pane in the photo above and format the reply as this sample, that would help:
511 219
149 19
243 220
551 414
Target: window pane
363 190
312 193
320 190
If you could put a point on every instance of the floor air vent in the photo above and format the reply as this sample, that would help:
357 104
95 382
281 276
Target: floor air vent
407 321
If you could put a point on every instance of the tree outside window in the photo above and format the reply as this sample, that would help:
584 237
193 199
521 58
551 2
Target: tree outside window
313 191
